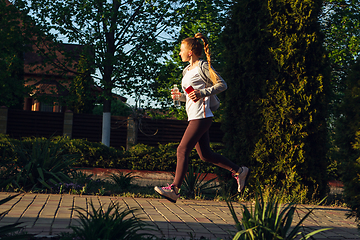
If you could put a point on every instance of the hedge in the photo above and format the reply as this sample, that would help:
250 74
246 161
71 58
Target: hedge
97 155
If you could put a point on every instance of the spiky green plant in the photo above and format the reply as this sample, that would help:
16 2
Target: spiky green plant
41 164
194 183
122 180
113 223
270 219
81 178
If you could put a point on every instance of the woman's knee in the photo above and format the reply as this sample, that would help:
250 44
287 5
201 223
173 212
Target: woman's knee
181 150
207 157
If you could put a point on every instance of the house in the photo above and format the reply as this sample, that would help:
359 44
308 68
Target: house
49 70
48 73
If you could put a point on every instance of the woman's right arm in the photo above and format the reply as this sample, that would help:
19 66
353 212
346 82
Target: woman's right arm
182 97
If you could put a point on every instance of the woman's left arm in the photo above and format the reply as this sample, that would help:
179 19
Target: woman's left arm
215 89
219 87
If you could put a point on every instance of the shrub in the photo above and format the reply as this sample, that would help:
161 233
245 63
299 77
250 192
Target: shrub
92 154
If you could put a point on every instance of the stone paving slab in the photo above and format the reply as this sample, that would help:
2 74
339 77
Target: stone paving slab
47 215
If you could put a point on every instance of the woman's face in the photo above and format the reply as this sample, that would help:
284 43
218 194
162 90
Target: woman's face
185 53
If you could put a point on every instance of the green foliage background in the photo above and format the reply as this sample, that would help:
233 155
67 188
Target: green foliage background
14 40
276 104
81 98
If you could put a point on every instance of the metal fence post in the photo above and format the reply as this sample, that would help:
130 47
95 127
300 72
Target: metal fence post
68 123
132 131
3 119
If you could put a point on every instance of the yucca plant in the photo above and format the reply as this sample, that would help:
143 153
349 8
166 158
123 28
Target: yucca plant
41 164
123 181
194 183
80 177
11 231
113 223
270 220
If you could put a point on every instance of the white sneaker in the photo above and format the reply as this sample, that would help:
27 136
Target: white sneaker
168 192
242 177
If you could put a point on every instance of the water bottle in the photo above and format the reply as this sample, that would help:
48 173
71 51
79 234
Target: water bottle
176 95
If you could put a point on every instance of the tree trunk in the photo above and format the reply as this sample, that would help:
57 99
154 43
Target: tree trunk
108 69
106 124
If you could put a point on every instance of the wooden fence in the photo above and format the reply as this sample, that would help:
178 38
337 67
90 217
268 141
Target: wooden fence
124 131
38 124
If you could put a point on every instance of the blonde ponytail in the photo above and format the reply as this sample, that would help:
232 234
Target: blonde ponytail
213 74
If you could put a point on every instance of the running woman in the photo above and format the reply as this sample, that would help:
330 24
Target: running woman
199 116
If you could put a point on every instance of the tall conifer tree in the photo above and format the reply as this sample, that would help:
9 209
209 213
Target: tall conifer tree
276 101
348 140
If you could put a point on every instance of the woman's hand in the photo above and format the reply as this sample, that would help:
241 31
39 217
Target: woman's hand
195 95
175 94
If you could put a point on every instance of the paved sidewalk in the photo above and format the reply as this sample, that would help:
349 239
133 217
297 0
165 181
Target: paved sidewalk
47 215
